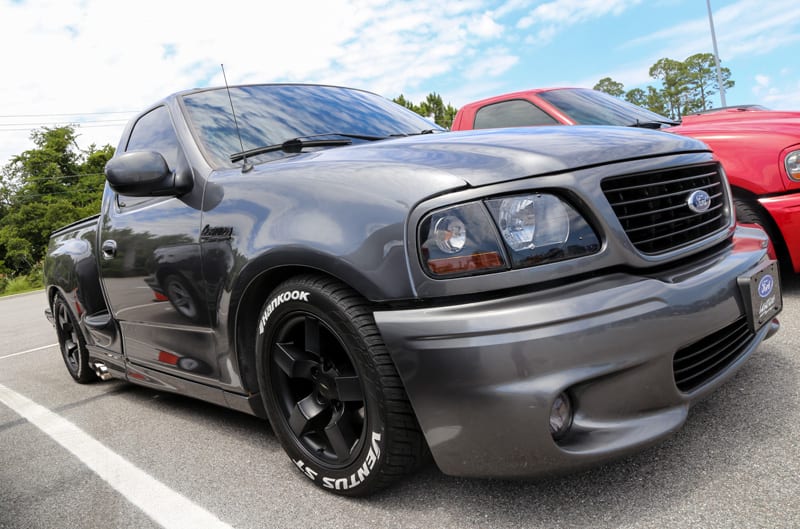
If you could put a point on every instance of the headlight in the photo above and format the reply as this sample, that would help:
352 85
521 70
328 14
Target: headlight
460 241
542 228
792 162
531 221
501 233
450 234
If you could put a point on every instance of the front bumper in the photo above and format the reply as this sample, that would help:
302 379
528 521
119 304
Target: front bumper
482 376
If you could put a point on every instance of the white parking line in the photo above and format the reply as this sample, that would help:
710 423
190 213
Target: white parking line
42 348
165 506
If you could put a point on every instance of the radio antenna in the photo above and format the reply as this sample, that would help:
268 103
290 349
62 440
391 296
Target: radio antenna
246 166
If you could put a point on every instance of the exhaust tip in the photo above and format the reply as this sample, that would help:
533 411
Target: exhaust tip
101 371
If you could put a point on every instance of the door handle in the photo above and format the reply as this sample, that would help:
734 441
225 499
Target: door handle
109 249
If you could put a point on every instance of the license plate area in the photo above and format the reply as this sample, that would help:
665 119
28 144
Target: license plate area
761 294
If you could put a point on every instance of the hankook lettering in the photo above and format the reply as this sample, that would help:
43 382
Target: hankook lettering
294 295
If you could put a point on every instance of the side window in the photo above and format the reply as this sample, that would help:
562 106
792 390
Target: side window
516 113
153 132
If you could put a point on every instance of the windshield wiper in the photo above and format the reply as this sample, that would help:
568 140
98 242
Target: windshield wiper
653 124
366 137
296 145
406 134
292 146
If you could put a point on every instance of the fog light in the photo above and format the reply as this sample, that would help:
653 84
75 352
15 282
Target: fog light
560 416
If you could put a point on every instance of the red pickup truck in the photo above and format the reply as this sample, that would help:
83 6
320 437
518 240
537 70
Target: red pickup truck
759 149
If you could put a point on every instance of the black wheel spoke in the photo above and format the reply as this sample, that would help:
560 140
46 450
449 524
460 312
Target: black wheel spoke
63 319
340 436
303 414
71 349
293 361
349 389
311 328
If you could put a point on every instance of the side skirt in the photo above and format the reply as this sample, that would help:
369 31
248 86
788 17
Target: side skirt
250 404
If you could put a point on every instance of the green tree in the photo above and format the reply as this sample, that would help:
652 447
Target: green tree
43 188
674 82
433 107
686 86
636 96
702 82
403 102
610 86
655 101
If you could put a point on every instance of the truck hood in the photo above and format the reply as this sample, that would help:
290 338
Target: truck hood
492 156
741 120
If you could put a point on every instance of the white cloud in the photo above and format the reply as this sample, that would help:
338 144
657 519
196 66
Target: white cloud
485 26
492 64
551 17
778 94
103 55
762 81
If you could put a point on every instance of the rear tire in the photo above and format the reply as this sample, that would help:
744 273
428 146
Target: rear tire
332 393
71 343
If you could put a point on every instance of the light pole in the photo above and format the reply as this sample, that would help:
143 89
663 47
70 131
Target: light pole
716 56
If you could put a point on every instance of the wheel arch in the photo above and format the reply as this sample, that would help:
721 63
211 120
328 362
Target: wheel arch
772 228
72 301
248 310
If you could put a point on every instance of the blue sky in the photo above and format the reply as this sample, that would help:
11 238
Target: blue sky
94 62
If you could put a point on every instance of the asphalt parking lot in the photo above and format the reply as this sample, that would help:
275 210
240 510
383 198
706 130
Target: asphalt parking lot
735 463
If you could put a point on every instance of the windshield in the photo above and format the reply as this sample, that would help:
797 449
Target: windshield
590 107
272 114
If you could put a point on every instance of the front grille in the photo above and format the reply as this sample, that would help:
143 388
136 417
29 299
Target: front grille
653 207
698 363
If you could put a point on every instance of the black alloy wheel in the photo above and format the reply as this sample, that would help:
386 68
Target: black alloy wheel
71 343
317 389
332 394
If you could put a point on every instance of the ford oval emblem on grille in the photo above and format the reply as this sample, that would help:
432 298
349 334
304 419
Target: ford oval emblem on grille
765 286
699 201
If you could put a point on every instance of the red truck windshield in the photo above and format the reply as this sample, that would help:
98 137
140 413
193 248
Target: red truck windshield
590 107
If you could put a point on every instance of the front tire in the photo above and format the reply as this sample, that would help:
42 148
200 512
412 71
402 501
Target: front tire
751 213
333 395
71 343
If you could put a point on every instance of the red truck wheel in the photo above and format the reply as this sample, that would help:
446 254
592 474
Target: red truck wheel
747 213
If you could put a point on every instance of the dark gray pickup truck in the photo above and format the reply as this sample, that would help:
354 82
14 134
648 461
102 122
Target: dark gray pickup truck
513 302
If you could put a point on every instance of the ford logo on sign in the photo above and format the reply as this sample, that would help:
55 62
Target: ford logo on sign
765 286
699 201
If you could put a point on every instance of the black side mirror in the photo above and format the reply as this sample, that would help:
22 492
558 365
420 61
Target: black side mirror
145 174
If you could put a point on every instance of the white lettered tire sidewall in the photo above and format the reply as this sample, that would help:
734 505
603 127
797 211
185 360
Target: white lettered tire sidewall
308 296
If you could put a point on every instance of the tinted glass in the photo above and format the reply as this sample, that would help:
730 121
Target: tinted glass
272 114
154 132
590 107
516 113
